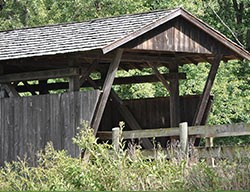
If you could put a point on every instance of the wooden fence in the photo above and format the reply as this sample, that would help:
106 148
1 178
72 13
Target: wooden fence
151 113
28 123
184 133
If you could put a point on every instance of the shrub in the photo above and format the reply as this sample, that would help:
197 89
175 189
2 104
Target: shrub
127 169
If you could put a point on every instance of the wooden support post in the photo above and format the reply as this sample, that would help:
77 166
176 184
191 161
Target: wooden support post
184 137
129 118
116 138
206 92
43 88
174 98
210 143
106 90
74 83
74 80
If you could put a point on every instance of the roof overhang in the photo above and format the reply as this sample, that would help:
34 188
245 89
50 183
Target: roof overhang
235 48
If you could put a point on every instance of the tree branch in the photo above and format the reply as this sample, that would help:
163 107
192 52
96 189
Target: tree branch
223 23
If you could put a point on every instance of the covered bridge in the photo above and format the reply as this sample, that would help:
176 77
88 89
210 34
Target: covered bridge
72 52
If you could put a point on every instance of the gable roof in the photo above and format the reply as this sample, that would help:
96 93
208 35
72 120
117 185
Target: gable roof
72 37
106 34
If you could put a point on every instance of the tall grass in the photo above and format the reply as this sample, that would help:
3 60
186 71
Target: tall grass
110 170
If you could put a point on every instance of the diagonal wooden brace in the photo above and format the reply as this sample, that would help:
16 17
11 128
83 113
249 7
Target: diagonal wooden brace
129 118
106 90
207 89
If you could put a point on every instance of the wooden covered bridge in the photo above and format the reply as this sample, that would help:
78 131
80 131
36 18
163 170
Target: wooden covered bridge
64 57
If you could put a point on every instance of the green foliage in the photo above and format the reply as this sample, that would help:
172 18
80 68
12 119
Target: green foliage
125 170
232 96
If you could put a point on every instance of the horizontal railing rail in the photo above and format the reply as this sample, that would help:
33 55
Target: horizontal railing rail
204 131
209 152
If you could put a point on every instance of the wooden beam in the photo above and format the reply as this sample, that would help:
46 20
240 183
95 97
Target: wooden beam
29 88
174 97
148 78
92 83
206 58
201 131
192 60
43 89
106 90
129 118
117 81
141 57
74 83
86 73
206 92
39 75
3 92
127 115
1 69
10 89
160 76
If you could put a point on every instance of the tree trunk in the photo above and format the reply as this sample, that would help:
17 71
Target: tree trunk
248 40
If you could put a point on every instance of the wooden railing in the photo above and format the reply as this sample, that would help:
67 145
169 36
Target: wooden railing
204 131
184 132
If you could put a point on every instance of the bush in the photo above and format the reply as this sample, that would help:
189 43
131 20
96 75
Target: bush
109 170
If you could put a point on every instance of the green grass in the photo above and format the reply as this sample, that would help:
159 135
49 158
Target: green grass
107 170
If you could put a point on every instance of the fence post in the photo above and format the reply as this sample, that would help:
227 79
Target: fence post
210 143
184 136
116 138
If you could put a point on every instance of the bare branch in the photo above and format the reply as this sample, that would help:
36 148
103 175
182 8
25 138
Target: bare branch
231 31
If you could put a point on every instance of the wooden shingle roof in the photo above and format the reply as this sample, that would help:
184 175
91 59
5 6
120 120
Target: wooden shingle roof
72 37
105 34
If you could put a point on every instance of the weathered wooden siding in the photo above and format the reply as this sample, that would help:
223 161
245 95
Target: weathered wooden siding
152 112
28 123
179 35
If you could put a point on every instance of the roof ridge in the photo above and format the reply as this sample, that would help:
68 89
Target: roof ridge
89 21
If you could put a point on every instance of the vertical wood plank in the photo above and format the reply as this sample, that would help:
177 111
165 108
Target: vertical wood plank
28 123
10 122
66 120
1 135
2 128
6 131
30 130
